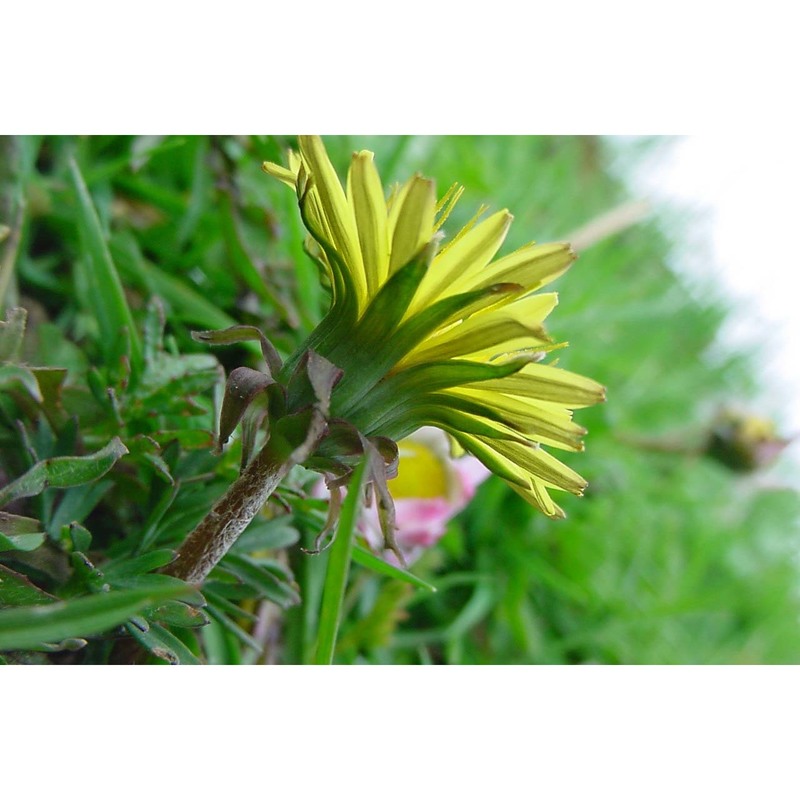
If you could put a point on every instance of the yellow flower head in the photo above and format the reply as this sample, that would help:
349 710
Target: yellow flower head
421 331
433 331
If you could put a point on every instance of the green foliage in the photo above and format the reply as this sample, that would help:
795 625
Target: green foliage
37 626
118 248
338 569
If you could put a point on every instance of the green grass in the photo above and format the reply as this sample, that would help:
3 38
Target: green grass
669 558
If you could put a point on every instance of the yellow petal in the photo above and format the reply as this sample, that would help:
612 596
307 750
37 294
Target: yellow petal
482 209
499 329
456 450
544 422
531 310
457 267
542 382
446 205
394 202
513 473
338 214
496 462
281 173
365 194
532 266
536 494
548 469
294 161
413 227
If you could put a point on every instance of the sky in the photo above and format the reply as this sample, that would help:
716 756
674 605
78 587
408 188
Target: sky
739 196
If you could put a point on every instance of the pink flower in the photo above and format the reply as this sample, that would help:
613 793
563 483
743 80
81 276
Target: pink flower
430 489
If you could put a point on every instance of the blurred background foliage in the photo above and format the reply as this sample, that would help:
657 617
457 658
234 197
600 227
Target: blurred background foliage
675 555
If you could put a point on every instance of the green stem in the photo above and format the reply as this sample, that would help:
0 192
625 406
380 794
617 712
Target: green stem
338 570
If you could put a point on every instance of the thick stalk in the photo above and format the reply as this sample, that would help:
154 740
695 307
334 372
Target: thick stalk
230 515
206 545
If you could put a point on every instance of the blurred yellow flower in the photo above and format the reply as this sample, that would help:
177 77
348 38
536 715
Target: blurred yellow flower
744 442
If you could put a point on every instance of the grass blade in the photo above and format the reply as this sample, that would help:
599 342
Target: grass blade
338 569
186 303
33 626
372 562
108 297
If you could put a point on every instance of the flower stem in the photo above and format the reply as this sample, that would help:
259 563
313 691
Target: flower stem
230 515
338 570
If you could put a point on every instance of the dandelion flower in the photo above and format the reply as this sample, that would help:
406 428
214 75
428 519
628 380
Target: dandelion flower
422 330
439 333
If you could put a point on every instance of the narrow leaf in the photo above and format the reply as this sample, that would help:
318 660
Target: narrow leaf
13 525
155 583
12 329
173 612
64 471
17 590
108 300
24 542
270 534
243 333
187 304
270 585
338 570
372 562
163 644
36 625
13 376
234 629
139 565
